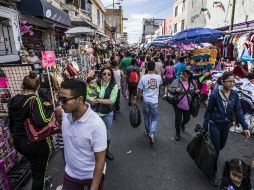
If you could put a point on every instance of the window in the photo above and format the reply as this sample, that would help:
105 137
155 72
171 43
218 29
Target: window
83 4
183 7
182 26
176 11
89 8
175 29
98 17
5 38
69 1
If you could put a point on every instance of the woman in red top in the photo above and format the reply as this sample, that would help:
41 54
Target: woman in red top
241 70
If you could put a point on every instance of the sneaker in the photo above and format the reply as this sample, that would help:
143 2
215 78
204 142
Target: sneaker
146 134
177 137
151 139
164 97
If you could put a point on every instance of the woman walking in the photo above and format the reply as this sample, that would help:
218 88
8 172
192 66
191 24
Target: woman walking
19 110
168 75
183 89
223 102
105 101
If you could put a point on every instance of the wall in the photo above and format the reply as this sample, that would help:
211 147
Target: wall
219 18
181 15
195 17
98 6
15 40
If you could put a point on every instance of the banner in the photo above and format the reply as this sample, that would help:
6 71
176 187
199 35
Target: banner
48 58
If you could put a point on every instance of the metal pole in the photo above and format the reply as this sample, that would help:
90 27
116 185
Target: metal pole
113 18
232 16
51 91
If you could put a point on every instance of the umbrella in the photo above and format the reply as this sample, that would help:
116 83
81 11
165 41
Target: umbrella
196 36
79 30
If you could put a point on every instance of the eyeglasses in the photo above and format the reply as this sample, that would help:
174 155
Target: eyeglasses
230 81
64 100
108 74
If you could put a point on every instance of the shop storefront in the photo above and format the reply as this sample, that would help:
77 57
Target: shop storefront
47 24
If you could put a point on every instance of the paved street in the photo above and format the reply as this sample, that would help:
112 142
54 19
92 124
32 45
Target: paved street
166 166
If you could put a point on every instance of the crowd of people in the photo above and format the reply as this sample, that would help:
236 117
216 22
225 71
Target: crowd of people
88 108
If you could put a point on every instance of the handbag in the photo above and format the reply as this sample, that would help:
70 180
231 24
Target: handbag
36 134
195 105
71 70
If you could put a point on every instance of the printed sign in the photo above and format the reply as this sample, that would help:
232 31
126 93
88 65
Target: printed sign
48 58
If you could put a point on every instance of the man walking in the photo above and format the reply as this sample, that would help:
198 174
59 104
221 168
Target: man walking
133 76
149 84
84 137
180 67
124 64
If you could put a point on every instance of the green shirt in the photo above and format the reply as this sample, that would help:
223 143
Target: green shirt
125 63
113 94
91 93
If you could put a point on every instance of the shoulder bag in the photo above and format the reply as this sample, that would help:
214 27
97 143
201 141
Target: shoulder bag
36 134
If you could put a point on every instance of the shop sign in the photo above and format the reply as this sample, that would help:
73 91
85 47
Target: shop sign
194 17
48 58
48 13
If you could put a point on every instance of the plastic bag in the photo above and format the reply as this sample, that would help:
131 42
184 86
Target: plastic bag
202 151
195 105
135 116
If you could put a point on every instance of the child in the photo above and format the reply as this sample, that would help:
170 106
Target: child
91 91
236 176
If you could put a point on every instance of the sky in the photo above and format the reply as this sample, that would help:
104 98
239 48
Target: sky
136 10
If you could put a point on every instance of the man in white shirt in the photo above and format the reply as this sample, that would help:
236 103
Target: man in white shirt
34 59
149 84
84 137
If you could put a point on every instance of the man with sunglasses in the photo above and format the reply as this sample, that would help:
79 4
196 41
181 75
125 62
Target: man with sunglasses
84 137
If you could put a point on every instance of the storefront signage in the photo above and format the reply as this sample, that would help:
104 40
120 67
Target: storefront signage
48 58
194 17
48 13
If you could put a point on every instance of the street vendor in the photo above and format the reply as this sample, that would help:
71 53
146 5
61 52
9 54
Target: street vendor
34 59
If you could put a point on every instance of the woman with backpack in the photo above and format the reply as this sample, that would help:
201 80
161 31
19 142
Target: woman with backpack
20 109
108 91
184 90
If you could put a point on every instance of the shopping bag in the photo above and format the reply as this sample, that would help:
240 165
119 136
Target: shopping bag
203 153
135 116
195 105
72 71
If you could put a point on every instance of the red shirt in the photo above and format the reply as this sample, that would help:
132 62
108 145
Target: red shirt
238 71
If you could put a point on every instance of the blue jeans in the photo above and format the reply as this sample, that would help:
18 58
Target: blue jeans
219 138
108 119
150 111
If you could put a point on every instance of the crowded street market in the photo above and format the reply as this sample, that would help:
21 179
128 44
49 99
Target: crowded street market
91 99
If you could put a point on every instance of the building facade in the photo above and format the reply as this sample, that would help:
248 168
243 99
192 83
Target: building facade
98 16
115 18
150 26
179 16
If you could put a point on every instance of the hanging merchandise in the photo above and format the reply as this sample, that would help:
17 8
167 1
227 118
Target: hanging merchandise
246 56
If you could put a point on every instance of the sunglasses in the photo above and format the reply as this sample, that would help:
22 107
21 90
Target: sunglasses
64 100
108 74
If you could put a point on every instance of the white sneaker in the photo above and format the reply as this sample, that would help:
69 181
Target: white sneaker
60 187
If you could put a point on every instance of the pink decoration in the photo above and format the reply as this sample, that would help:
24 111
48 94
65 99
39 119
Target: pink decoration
48 58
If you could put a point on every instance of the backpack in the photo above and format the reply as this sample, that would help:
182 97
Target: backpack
134 77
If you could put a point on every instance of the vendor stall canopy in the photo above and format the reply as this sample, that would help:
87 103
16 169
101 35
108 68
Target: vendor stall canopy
196 36
45 10
80 30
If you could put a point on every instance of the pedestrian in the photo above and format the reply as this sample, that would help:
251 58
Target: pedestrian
19 111
223 104
105 101
168 75
236 176
184 89
119 78
133 76
84 137
124 64
158 66
149 85
180 66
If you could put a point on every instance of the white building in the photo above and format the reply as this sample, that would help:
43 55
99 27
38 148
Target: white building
179 15
217 14
10 41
